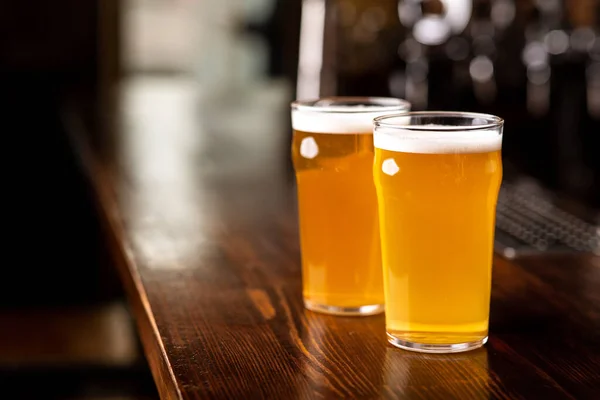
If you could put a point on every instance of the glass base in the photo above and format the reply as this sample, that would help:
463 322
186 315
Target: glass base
345 311
439 348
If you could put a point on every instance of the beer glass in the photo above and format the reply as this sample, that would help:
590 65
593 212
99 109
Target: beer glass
437 176
332 152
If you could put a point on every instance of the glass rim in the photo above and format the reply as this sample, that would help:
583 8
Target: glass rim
380 104
490 121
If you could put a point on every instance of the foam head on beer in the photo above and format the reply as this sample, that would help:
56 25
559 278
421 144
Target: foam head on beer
343 115
397 134
332 151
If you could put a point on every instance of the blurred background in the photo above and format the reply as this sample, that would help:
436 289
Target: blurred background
64 323
533 62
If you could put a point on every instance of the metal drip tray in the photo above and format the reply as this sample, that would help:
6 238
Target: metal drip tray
528 221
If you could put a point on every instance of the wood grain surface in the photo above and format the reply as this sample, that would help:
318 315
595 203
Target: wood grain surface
199 205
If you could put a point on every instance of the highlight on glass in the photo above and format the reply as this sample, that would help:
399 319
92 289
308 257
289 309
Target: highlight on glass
332 152
437 177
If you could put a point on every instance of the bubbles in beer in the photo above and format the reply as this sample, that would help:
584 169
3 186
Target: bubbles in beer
390 167
309 148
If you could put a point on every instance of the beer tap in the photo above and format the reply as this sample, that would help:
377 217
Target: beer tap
543 39
430 25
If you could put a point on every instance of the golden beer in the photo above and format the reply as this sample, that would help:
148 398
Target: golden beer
437 194
332 151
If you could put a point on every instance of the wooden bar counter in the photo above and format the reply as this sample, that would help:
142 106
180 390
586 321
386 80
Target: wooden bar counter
199 204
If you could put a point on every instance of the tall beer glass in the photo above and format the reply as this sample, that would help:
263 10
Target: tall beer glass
332 151
437 176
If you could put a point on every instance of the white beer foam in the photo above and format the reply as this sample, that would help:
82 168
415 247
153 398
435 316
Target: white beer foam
439 141
354 120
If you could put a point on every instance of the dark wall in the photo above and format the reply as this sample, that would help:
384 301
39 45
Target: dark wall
53 252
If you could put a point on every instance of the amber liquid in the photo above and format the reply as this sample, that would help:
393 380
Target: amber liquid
339 232
437 215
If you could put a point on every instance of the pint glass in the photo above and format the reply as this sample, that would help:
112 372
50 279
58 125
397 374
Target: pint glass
437 176
332 151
